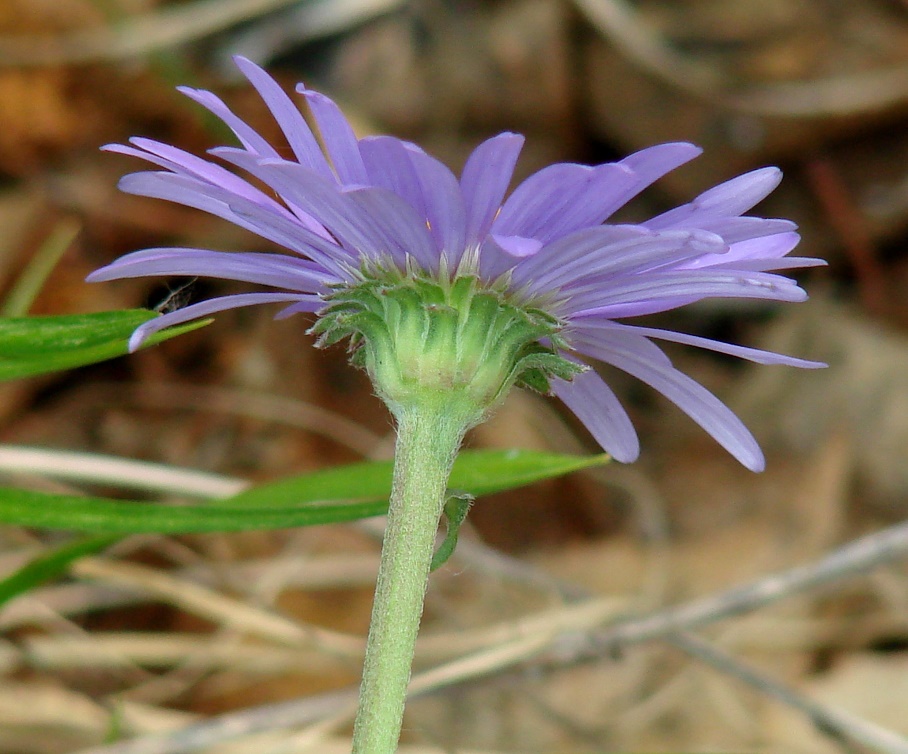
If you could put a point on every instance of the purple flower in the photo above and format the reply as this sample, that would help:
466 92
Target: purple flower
383 203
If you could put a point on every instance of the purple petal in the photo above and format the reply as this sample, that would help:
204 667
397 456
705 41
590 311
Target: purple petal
652 163
222 182
186 164
604 192
297 132
191 192
737 229
401 232
276 224
485 179
517 246
389 166
277 270
634 355
728 199
589 325
246 161
338 137
204 308
612 251
498 254
443 202
770 247
646 167
309 306
757 255
571 250
655 292
319 198
594 403
247 135
560 199
767 265
639 171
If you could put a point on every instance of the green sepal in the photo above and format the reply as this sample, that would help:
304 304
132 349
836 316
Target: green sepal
536 369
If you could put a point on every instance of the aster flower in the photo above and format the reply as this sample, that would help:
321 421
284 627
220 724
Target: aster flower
361 217
451 291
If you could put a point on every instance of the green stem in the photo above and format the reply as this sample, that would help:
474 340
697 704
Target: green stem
428 437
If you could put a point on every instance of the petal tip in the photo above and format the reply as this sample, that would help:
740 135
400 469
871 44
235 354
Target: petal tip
137 339
629 455
756 465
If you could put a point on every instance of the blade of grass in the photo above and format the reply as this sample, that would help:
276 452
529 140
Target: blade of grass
50 565
25 290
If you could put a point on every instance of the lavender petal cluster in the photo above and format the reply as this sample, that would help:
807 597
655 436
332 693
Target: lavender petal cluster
338 205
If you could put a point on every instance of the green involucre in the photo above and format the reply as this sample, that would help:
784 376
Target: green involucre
453 338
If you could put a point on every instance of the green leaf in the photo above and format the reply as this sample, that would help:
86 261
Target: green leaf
36 345
479 472
299 501
105 516
50 565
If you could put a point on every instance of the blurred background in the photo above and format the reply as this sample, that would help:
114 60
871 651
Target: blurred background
151 637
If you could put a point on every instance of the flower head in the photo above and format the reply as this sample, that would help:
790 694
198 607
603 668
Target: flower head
389 248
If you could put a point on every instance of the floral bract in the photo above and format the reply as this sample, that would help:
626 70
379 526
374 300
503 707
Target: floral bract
379 235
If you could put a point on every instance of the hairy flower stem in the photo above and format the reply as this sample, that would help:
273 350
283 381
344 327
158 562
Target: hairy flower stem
428 438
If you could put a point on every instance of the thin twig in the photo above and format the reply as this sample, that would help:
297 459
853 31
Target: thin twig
856 557
216 607
299 572
101 469
570 645
827 718
167 650
235 725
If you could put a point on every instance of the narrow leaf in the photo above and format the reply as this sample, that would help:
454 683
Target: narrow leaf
300 501
106 516
50 565
479 472
26 289
37 345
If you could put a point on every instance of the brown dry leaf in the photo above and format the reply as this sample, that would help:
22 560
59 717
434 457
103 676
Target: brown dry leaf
863 395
